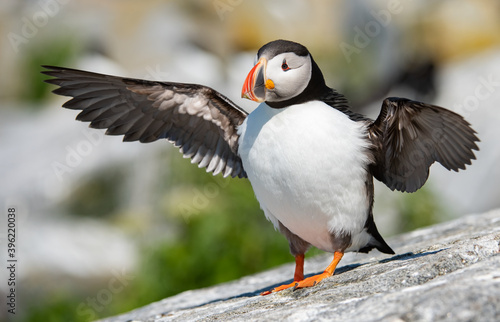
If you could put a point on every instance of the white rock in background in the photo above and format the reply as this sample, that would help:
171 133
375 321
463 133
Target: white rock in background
472 88
81 248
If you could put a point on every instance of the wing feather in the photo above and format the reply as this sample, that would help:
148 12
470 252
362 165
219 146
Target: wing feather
197 119
409 136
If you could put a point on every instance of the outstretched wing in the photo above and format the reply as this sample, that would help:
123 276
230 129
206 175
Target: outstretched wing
408 136
200 121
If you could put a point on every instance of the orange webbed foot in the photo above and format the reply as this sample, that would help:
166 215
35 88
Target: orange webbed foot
310 281
280 288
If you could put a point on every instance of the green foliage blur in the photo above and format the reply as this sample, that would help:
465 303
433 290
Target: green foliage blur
62 50
420 209
226 238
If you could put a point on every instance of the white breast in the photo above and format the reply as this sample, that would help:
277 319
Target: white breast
307 166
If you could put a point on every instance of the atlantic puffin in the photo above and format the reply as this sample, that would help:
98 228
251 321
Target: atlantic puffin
310 159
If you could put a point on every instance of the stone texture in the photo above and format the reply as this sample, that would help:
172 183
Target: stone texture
447 272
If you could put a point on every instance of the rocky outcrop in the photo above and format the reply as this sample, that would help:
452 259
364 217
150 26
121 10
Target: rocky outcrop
450 271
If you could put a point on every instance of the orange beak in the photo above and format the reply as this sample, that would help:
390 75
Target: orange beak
254 87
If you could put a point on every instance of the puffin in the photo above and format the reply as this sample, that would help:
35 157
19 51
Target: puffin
309 158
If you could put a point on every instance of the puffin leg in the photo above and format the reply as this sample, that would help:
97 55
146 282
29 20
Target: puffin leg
313 280
297 276
299 268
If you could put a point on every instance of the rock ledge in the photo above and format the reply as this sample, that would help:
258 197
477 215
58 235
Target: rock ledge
450 271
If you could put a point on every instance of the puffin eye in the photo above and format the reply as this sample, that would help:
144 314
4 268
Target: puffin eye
284 66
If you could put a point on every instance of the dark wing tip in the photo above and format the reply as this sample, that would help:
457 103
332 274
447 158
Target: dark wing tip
50 71
57 75
50 67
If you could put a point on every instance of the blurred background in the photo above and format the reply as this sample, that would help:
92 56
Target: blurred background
105 226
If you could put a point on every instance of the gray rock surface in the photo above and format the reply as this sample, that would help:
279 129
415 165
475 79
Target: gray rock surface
447 272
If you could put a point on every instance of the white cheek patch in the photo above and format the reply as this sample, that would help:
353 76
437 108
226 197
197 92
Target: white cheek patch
288 83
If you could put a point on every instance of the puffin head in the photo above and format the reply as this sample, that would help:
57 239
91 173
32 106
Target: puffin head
284 74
